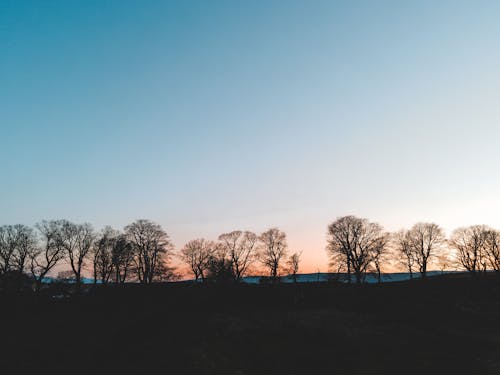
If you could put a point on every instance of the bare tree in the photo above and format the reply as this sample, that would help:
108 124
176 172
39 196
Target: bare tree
197 255
17 243
241 249
103 254
48 254
220 267
164 271
26 246
340 242
121 258
152 249
293 264
403 246
427 241
469 244
357 243
8 243
273 250
380 255
492 248
77 241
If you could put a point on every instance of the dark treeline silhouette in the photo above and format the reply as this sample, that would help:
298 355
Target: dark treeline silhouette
128 321
140 253
357 246
143 252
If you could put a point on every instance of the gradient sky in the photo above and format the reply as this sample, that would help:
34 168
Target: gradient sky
210 116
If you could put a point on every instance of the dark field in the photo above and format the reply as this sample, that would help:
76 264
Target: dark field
441 325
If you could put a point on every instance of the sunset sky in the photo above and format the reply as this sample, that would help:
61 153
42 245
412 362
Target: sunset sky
211 116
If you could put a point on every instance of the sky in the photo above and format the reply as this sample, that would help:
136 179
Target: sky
212 116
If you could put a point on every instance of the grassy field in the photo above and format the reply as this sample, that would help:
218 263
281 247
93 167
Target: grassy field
442 325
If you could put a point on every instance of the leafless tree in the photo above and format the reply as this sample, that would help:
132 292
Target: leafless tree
404 250
293 264
340 241
103 254
26 246
152 249
356 242
8 243
427 241
380 255
273 251
241 249
17 242
492 248
165 272
197 255
220 266
49 252
77 241
121 258
470 246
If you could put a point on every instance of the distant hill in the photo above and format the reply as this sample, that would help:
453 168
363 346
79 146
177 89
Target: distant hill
308 277
326 276
85 280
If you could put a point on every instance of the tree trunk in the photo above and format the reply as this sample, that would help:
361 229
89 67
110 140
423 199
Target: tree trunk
38 285
78 282
349 270
358 277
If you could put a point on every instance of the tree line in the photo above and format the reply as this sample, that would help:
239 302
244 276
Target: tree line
357 246
143 252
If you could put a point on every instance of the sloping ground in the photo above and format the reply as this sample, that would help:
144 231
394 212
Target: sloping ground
440 326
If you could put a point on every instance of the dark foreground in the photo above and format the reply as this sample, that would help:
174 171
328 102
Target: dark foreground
441 325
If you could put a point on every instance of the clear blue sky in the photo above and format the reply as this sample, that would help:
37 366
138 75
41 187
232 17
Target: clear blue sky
209 116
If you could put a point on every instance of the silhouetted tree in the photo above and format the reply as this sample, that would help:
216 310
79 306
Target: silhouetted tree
26 246
103 254
470 246
293 264
152 249
404 250
17 244
165 272
77 241
492 248
356 242
197 255
220 268
241 249
273 251
427 240
49 252
7 248
380 255
121 258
